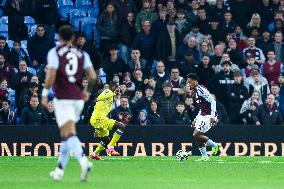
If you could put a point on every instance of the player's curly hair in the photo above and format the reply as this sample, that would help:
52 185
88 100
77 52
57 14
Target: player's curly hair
192 76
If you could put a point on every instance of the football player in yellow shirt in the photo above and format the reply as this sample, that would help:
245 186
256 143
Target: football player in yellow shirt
102 124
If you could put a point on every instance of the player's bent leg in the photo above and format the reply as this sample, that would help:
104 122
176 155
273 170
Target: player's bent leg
200 140
68 131
101 147
120 127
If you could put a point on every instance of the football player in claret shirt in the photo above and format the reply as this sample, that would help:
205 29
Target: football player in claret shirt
102 124
66 68
206 118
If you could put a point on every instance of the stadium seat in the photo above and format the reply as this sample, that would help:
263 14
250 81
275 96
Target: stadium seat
93 12
96 36
64 3
33 30
96 4
64 11
87 27
86 4
4 20
29 21
4 30
10 43
77 21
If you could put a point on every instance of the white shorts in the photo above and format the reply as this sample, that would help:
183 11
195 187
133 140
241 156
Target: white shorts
202 123
67 110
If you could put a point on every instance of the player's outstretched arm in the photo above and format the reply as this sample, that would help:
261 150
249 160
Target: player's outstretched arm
49 80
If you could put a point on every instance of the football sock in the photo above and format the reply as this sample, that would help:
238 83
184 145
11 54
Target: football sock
116 136
63 156
75 147
203 151
210 143
100 148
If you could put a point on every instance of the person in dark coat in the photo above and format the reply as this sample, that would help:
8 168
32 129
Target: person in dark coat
204 71
38 47
34 114
223 117
7 116
6 70
18 54
51 113
180 117
122 113
20 81
268 113
16 11
237 94
160 75
154 115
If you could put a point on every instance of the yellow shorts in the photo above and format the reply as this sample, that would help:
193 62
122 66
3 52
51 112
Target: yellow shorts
102 125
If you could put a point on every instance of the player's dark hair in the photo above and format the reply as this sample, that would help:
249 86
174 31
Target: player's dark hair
192 76
66 32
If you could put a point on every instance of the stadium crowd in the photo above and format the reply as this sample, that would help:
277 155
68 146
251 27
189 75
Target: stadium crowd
147 47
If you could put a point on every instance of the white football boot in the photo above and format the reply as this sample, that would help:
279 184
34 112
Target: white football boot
57 174
86 166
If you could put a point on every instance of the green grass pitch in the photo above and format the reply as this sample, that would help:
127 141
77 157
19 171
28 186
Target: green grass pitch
147 172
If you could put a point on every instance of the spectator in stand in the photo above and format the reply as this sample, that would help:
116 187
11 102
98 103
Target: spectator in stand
257 83
90 48
7 93
143 118
223 117
126 36
240 38
16 10
178 82
250 64
18 54
228 25
215 31
252 50
46 12
226 57
122 113
203 21
38 47
188 64
182 24
137 95
114 64
138 79
180 116
144 101
218 10
26 95
221 82
50 113
160 76
130 86
161 23
34 114
7 116
204 71
6 70
108 23
237 95
236 56
268 113
277 16
145 14
167 102
168 42
189 45
190 107
154 115
216 58
204 50
265 10
265 42
249 106
4 48
20 81
195 32
279 46
171 11
272 68
123 7
275 90
136 62
255 22
145 42
241 10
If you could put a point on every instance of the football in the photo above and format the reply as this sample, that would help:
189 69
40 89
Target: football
181 155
